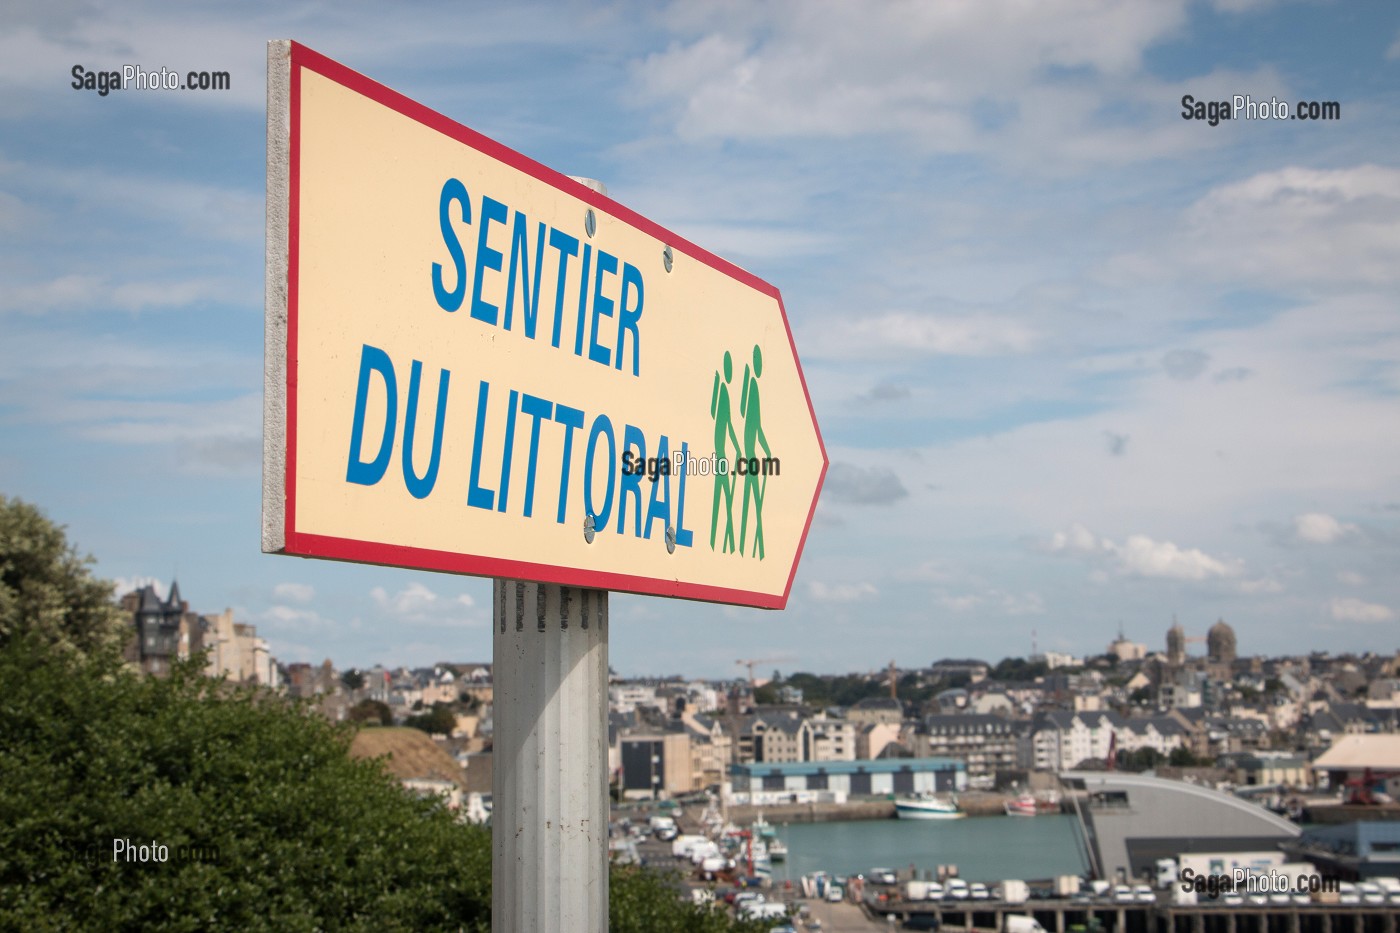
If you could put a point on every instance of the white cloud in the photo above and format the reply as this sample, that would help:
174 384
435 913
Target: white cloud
419 605
949 77
1144 557
288 615
1141 556
934 570
903 333
1023 605
1350 578
1393 52
1319 528
209 438
1078 540
1351 609
413 599
1185 365
1240 6
78 292
1294 226
994 601
840 592
850 484
123 585
295 592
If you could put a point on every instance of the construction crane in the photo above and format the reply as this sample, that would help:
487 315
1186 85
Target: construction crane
751 662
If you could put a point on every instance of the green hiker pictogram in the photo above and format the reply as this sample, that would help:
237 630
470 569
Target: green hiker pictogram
724 432
754 486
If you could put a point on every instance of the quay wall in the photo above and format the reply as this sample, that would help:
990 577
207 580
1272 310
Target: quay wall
866 808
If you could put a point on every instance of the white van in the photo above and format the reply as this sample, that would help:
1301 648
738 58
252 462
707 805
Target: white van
1015 923
763 910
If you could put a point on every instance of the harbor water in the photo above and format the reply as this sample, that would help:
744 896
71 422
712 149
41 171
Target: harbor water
984 848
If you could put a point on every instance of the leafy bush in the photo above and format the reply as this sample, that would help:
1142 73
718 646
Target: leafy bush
46 588
646 901
263 819
288 833
372 711
440 720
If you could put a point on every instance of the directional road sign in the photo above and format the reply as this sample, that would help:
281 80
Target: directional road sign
478 365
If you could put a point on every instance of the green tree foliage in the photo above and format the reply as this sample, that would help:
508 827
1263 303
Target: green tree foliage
440 720
265 821
305 837
842 690
646 901
353 679
766 695
1019 669
47 588
1182 757
372 711
1142 759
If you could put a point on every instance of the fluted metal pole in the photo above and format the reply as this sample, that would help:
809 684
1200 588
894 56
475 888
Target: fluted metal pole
549 833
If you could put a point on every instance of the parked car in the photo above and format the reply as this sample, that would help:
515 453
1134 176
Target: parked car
956 889
883 876
978 891
835 894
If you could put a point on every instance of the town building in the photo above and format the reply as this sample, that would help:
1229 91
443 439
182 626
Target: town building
844 779
876 710
656 765
163 629
985 743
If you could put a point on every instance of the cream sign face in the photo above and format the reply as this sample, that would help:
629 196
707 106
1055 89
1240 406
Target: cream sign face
480 366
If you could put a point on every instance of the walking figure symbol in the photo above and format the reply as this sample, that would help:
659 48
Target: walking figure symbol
754 485
724 432
750 409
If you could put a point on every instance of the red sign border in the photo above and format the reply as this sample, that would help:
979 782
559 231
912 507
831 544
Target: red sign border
350 549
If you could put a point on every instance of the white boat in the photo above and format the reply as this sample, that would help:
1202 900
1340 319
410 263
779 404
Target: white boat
777 850
1024 805
763 828
928 807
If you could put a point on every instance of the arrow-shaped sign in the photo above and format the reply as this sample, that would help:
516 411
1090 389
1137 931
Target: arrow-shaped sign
478 365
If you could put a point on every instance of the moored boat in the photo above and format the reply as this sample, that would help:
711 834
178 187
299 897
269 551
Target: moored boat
1023 805
928 807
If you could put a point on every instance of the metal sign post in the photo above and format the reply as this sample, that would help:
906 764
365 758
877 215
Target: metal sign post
549 784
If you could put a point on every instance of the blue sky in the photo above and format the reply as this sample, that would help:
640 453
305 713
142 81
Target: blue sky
1078 362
